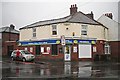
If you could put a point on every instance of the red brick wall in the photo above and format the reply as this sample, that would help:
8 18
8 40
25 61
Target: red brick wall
5 47
115 49
8 39
10 36
100 46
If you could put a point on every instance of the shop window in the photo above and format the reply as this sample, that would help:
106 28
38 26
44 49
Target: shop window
60 50
75 49
94 49
54 49
45 50
26 49
84 30
42 49
67 50
48 49
31 49
54 29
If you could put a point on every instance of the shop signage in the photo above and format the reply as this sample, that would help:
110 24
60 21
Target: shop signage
39 42
63 42
70 41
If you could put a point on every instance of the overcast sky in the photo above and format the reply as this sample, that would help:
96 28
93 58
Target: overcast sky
24 13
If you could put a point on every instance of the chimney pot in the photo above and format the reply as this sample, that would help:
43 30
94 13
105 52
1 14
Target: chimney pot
75 5
90 15
109 15
12 26
73 9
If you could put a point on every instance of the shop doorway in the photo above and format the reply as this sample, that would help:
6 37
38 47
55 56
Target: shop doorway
38 50
67 53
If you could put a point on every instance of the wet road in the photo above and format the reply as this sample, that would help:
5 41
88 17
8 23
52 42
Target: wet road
60 70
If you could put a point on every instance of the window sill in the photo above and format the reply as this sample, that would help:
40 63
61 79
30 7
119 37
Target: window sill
54 35
54 55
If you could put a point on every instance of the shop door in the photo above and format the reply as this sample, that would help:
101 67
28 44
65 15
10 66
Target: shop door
67 53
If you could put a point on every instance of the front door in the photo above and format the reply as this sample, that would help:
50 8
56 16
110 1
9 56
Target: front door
67 53
9 50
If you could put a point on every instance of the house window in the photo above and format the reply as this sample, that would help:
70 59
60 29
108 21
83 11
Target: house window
84 30
54 29
107 49
54 49
34 32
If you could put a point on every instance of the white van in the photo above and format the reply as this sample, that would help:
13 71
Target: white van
24 55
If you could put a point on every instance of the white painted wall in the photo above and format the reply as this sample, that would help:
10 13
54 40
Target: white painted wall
45 32
112 25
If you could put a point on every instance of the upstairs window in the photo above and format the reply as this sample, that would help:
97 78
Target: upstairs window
54 29
84 30
34 32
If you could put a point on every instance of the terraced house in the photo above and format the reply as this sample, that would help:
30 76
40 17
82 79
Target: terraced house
74 37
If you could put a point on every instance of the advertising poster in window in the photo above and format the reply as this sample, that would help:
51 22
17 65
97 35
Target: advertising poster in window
26 49
75 49
31 49
48 49
42 49
94 49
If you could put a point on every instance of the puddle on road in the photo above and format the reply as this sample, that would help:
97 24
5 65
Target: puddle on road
59 69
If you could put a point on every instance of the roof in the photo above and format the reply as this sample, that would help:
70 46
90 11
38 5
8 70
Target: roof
8 29
78 17
103 17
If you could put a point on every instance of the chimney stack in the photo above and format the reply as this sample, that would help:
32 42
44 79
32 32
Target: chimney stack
109 15
73 9
12 26
90 15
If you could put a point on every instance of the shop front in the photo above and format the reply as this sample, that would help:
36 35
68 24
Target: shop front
73 50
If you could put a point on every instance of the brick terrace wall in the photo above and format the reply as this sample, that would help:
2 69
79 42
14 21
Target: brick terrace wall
10 36
8 39
100 47
115 50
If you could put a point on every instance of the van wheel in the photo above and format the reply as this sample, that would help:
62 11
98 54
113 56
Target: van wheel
23 59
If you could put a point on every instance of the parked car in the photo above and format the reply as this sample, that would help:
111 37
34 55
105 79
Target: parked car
24 55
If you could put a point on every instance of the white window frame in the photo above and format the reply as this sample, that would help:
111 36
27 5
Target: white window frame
84 30
107 49
54 28
34 32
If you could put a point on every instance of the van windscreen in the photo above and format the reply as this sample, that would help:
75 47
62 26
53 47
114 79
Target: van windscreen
26 52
